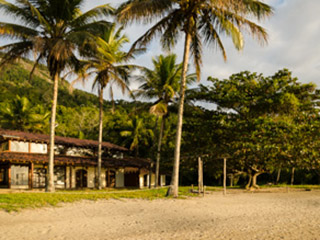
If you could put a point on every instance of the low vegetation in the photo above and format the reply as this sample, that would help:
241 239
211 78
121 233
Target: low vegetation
14 202
18 201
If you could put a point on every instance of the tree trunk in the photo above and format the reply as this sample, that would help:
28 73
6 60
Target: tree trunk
174 186
100 136
249 181
254 181
159 151
278 176
200 175
150 174
231 177
292 175
50 174
224 176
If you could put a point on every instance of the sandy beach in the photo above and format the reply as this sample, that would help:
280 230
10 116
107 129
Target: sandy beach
294 215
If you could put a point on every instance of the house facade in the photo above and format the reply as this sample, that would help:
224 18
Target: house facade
24 163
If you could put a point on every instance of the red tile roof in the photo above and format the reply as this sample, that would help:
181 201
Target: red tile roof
36 137
17 157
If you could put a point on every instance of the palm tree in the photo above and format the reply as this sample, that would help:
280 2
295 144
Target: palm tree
106 61
137 132
53 30
162 83
21 115
199 20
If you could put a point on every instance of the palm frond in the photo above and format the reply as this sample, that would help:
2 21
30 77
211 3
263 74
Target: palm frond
15 51
91 15
143 10
15 31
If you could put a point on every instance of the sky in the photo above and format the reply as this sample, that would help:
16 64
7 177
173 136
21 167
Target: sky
294 33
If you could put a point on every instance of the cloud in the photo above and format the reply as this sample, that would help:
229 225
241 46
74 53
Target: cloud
293 43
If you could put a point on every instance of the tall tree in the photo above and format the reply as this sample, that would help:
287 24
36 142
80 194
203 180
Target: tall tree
107 62
53 30
269 121
200 21
161 83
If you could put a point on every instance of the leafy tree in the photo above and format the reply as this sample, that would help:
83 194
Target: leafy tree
198 20
53 30
266 118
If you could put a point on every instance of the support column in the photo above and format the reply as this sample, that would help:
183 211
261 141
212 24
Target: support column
65 177
224 176
150 174
31 167
9 176
70 177
200 175
108 183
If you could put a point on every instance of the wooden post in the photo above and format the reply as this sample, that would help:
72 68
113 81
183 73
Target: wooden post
70 176
224 176
200 175
109 183
9 176
31 175
150 174
278 176
292 175
65 177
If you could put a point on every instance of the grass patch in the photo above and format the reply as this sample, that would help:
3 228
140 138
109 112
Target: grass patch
17 201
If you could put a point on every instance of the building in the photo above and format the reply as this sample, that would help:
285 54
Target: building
24 162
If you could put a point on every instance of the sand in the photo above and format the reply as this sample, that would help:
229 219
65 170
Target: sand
294 215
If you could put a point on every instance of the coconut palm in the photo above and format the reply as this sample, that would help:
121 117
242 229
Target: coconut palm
53 30
106 61
20 114
201 21
136 133
161 83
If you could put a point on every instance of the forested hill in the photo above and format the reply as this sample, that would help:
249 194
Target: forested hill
25 104
15 80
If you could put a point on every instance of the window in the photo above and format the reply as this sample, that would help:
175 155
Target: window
17 146
19 175
4 146
59 176
39 177
38 148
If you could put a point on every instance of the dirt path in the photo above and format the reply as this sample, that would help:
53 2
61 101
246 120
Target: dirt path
294 215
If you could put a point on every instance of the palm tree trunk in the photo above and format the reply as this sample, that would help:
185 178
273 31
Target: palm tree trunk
50 174
174 186
100 136
159 152
278 176
292 175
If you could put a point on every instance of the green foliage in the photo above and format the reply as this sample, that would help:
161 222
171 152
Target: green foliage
262 123
19 201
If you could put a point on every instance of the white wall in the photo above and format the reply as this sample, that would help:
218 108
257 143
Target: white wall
38 148
91 176
103 177
17 146
141 181
162 180
120 178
